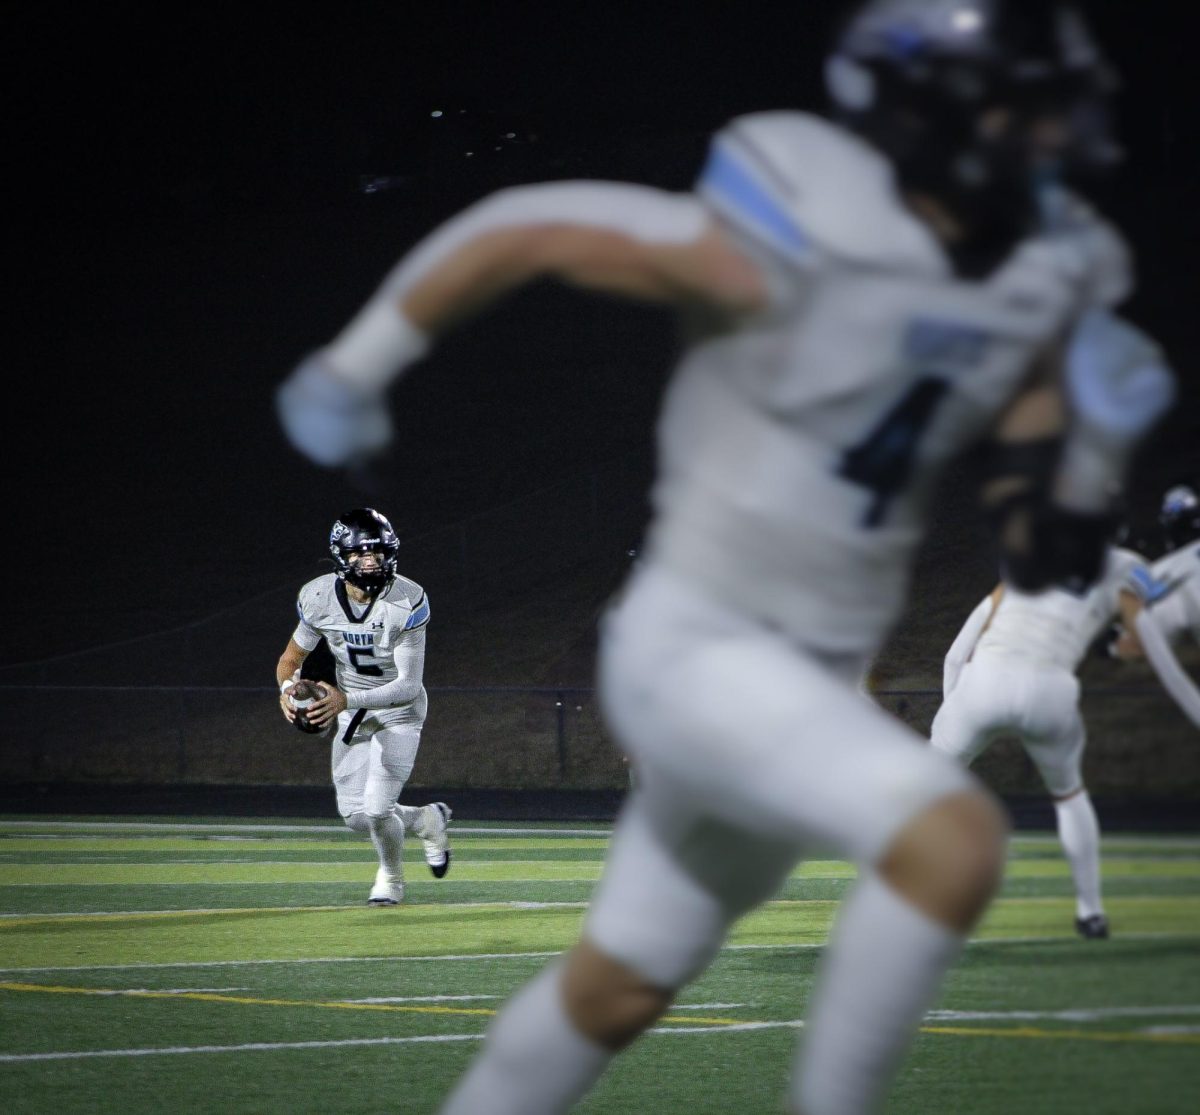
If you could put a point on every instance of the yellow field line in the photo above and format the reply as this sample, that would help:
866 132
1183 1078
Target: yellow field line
1028 1033
212 997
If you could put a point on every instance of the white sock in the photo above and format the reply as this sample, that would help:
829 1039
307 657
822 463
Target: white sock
533 1061
1079 833
387 834
880 972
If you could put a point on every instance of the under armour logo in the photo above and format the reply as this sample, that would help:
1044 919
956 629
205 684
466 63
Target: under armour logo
377 626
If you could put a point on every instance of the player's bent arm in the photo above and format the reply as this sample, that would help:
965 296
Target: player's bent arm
1127 646
1022 456
287 670
964 643
1063 447
634 241
1173 677
403 689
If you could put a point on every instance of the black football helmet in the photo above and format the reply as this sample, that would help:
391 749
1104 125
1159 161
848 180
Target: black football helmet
922 80
1179 515
359 531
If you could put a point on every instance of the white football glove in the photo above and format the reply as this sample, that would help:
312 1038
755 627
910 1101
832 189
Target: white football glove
1118 381
331 421
1118 385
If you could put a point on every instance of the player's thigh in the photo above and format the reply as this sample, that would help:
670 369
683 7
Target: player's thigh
1059 756
1051 728
393 751
755 733
350 765
673 884
970 718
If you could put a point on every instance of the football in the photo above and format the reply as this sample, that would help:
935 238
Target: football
301 695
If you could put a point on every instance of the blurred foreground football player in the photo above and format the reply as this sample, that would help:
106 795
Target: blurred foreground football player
374 622
868 297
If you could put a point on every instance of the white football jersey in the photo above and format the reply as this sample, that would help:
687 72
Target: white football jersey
1056 627
1174 595
364 640
798 450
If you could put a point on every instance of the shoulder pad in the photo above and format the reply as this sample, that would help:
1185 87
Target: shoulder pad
808 188
404 591
317 588
314 596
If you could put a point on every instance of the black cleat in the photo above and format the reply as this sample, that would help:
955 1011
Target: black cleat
440 869
1094 928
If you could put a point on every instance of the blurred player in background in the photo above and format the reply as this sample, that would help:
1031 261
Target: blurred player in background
373 621
1177 573
1171 591
866 298
1011 672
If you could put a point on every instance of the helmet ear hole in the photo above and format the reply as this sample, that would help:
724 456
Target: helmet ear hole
851 85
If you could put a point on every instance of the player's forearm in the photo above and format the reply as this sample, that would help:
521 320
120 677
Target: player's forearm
402 691
1174 679
289 663
601 234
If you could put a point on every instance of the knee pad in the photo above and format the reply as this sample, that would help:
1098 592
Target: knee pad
357 822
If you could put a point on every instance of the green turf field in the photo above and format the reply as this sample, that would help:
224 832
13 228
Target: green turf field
210 967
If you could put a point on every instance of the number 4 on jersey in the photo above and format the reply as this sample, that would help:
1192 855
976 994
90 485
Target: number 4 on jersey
882 462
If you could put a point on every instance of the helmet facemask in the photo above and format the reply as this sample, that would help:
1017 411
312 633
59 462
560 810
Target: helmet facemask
357 534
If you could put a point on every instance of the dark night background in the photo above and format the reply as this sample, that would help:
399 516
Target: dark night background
193 216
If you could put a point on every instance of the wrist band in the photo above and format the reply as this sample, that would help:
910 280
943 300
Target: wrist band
377 344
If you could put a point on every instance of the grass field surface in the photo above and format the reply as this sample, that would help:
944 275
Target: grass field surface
210 966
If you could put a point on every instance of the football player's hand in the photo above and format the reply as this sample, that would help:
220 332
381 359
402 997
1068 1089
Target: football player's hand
285 701
326 709
331 421
1118 382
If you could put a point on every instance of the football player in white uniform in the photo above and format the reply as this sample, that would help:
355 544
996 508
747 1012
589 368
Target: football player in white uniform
1171 591
1177 612
867 298
374 622
1011 672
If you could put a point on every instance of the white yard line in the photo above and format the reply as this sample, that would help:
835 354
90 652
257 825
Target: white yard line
1090 1014
251 1047
513 904
792 946
176 827
709 1006
260 1047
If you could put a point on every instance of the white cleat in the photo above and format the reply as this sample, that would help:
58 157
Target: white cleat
434 819
386 891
